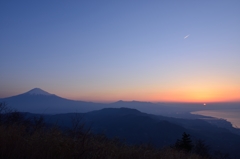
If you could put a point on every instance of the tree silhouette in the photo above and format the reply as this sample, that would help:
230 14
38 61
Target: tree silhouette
185 143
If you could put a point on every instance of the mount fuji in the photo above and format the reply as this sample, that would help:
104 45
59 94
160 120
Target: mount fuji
40 101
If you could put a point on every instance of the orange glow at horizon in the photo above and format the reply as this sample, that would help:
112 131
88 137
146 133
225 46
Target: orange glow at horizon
203 96
181 91
199 97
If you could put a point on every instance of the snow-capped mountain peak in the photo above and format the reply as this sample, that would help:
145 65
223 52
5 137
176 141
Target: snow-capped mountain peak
38 91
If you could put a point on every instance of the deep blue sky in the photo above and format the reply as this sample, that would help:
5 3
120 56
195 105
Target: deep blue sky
130 50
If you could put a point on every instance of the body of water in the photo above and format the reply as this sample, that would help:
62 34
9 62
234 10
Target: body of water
231 115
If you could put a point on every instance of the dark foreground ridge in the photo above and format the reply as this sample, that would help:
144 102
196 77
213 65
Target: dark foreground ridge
25 135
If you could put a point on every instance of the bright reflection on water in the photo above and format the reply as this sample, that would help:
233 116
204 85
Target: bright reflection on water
232 115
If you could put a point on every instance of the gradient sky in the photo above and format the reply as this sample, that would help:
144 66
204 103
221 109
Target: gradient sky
168 50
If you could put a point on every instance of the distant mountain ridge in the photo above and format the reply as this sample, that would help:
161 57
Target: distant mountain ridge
39 101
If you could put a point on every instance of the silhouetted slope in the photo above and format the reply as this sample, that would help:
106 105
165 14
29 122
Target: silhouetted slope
134 126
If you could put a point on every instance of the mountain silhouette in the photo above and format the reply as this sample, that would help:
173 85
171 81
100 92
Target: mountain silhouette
40 101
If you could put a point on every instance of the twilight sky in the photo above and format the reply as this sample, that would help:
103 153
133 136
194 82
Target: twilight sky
168 50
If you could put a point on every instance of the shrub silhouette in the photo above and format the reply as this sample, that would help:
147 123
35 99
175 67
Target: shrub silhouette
201 149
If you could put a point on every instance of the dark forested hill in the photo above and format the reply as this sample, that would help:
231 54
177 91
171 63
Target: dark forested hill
134 127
